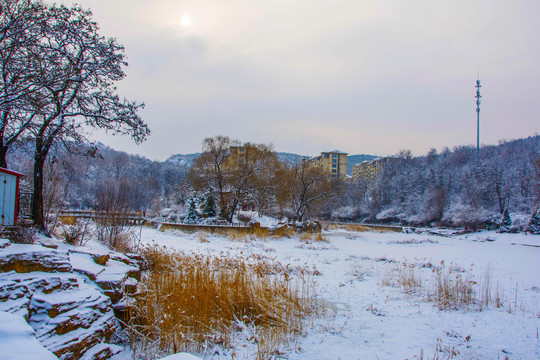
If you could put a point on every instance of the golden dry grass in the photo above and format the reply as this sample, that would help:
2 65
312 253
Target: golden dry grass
203 237
449 286
361 228
452 289
308 237
194 302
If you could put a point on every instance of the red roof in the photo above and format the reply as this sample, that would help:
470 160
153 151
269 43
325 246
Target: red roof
10 172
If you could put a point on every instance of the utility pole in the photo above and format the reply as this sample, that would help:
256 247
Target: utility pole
478 96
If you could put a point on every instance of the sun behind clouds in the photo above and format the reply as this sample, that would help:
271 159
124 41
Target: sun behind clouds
185 21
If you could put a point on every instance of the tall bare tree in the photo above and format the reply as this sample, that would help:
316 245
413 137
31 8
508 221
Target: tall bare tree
210 169
306 186
77 69
238 175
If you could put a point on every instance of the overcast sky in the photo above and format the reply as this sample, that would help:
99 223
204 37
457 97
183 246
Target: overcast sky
307 76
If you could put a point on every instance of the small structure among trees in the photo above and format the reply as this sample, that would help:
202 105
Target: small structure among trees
9 195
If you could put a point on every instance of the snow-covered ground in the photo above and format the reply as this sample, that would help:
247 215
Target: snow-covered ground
374 320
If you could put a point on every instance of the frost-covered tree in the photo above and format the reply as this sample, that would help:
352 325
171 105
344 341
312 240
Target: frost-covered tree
460 187
20 33
192 216
77 76
209 204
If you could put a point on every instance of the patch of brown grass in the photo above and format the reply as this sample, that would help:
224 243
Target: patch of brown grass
450 287
309 238
203 237
407 276
195 302
360 228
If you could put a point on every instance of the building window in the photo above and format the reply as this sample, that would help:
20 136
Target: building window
325 155
334 170
334 165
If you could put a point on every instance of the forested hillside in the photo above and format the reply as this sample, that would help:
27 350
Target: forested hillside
80 176
456 187
459 187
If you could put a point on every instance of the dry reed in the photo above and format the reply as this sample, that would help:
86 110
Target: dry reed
309 237
195 302
450 287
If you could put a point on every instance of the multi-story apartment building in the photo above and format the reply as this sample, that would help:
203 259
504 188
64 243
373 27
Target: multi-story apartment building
238 155
367 171
332 162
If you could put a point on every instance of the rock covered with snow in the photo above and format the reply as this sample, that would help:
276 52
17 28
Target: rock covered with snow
67 296
18 340
16 290
4 243
29 258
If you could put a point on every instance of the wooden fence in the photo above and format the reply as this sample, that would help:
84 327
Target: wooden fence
71 216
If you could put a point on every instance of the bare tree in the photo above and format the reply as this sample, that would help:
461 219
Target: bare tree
250 174
77 70
210 169
306 186
237 175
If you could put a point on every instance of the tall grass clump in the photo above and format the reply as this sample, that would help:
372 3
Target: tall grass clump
309 237
452 289
196 303
407 276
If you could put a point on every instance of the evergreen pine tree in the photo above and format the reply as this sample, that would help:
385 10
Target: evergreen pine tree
534 224
192 216
209 205
505 223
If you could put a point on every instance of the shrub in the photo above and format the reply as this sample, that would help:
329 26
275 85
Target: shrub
195 302
22 234
112 229
75 234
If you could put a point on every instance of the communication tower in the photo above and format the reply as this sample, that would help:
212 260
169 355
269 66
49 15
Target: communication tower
478 97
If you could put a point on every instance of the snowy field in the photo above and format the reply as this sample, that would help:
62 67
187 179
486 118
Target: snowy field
371 316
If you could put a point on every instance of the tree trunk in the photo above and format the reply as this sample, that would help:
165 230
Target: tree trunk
37 202
234 204
3 153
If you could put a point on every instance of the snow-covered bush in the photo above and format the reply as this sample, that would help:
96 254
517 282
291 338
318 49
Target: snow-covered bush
22 234
534 223
506 222
466 215
346 213
192 216
209 205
